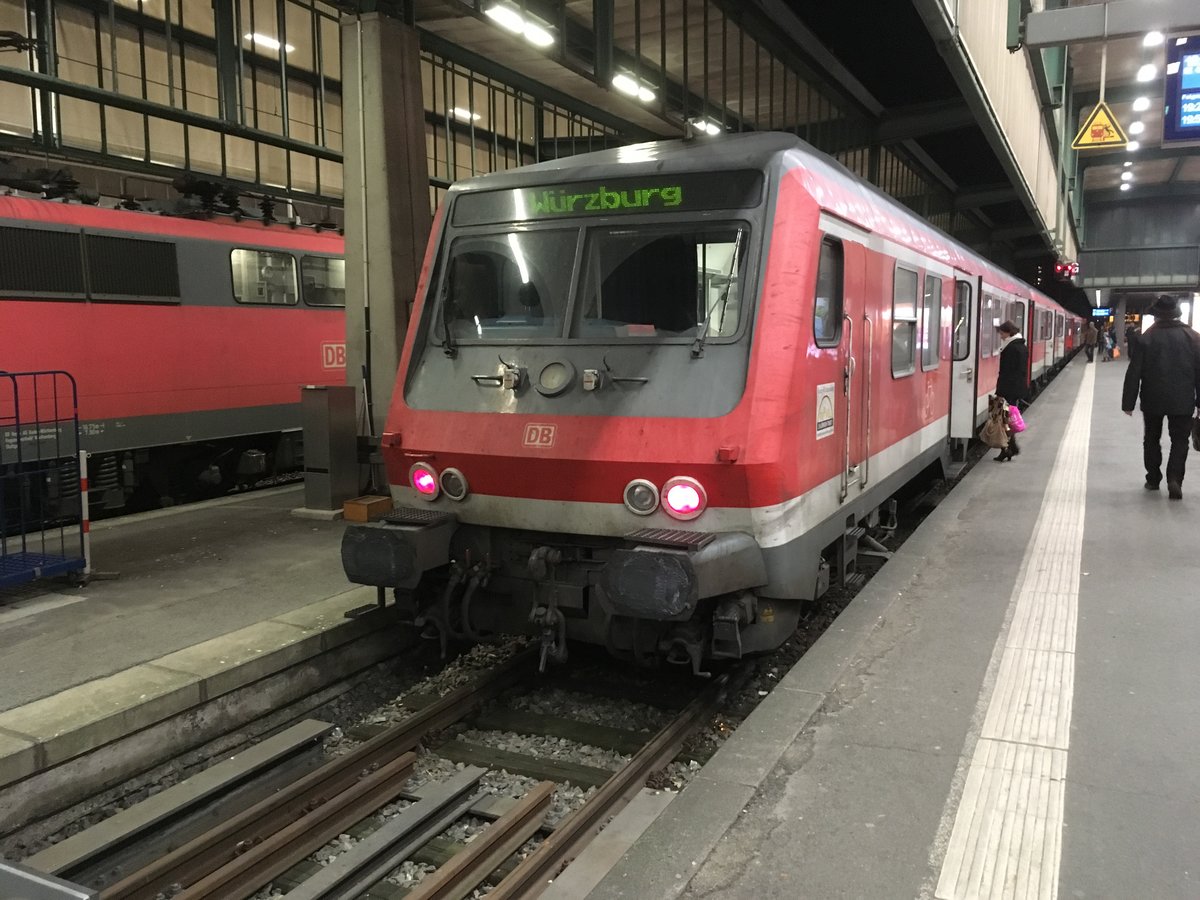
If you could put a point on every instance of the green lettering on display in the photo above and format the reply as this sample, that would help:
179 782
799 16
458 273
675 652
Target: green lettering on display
550 202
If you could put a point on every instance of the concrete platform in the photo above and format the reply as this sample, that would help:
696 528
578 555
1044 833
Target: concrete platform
210 600
1008 709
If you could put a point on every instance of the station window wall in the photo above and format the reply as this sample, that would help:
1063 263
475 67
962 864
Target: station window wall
165 53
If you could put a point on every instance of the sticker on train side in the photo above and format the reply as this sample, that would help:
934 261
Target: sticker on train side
825 407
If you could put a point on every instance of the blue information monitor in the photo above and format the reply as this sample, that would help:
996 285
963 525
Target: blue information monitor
1181 92
1102 312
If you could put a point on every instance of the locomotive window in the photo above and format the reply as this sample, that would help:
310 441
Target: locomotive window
121 268
962 320
263 276
324 280
827 308
904 322
659 282
931 335
36 263
503 286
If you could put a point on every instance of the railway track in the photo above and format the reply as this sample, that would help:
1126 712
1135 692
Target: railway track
271 841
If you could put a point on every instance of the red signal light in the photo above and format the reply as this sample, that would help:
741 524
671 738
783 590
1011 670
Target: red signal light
423 478
684 498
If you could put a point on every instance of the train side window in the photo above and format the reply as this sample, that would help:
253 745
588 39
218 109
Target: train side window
131 269
962 320
987 326
904 322
827 307
1058 325
323 279
932 324
41 264
263 276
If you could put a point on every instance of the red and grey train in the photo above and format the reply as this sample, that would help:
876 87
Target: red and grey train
188 339
648 393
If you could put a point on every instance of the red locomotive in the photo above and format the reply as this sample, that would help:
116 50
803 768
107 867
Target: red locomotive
189 339
651 396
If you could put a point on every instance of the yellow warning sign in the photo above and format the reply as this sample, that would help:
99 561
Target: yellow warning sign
1100 130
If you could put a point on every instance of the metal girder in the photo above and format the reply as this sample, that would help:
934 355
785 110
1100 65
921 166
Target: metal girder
1167 191
1016 231
1119 93
1105 21
1145 154
986 195
923 119
229 97
484 66
602 33
160 110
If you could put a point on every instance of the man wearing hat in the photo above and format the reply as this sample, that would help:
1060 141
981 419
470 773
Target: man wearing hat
1166 373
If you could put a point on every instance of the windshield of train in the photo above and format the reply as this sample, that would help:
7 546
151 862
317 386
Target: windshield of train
677 272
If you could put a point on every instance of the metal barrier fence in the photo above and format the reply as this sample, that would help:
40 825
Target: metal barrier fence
43 478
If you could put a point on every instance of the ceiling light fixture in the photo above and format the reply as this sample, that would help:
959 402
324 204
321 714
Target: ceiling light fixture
465 114
270 43
626 84
1137 127
510 20
1152 39
537 35
507 18
1127 164
708 126
1141 104
1133 145
1147 72
1126 186
1127 176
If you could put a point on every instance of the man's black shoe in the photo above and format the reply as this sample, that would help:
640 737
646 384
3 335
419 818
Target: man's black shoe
1174 490
1151 485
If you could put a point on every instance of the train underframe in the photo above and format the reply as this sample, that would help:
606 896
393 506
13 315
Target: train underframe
135 480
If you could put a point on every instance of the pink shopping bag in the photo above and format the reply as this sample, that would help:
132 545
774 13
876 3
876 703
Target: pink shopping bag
1015 420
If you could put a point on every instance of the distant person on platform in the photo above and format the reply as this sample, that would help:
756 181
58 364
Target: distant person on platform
1013 382
1166 374
1132 335
1090 334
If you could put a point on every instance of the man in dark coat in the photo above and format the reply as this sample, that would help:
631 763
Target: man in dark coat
1132 335
1013 381
1166 372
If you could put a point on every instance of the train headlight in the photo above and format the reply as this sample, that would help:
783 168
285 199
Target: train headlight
684 498
424 480
641 497
454 483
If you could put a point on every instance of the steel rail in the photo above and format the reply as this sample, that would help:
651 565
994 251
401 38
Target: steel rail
500 840
530 877
277 852
197 858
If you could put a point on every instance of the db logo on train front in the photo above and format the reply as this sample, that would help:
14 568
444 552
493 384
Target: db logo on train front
538 435
333 356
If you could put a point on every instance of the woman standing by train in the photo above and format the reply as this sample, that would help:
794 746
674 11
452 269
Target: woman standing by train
1013 381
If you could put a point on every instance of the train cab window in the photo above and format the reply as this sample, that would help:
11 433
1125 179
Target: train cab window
931 331
904 322
263 276
827 307
962 320
508 285
656 282
323 280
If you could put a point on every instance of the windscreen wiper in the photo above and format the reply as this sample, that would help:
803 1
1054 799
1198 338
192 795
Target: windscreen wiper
449 345
698 344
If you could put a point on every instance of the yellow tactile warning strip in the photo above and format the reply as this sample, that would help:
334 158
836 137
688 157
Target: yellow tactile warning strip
1007 836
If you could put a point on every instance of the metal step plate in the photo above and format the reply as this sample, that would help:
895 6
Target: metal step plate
423 518
669 537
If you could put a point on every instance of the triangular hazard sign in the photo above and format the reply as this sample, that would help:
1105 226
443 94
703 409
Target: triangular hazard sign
1100 130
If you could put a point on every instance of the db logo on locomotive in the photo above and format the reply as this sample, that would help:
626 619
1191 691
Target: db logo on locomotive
537 435
333 356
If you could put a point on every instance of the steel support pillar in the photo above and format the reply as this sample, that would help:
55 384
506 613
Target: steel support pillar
229 95
387 201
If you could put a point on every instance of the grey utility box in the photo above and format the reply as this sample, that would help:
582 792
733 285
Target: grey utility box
330 445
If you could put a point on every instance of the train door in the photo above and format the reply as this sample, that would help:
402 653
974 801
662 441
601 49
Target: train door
964 350
854 393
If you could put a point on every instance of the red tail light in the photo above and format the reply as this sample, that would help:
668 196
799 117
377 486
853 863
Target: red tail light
684 498
424 480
